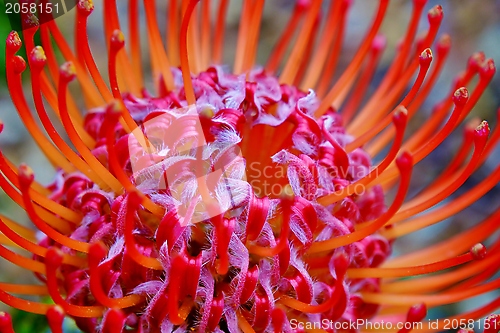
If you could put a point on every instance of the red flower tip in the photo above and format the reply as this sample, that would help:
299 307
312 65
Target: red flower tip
482 131
1 126
13 42
38 58
466 330
460 96
443 45
85 7
476 60
425 57
68 71
340 262
478 251
400 116
53 258
55 317
6 323
97 252
114 321
487 69
435 14
26 172
417 313
379 43
117 39
19 64
404 161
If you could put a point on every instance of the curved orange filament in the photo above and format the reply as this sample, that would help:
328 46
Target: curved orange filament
243 31
53 262
399 120
135 41
96 254
133 203
64 78
367 117
159 60
186 72
25 179
293 63
379 143
90 91
243 323
206 38
366 75
19 100
253 36
441 281
218 48
52 220
425 61
82 42
405 165
172 41
112 23
452 246
284 41
444 191
35 248
21 230
120 173
37 63
445 211
356 273
429 300
19 260
355 64
24 289
328 70
22 304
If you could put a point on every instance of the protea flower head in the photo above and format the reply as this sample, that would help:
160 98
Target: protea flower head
243 199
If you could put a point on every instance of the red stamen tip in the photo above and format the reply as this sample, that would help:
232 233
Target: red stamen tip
478 251
466 330
379 43
38 57
444 44
487 69
400 116
25 172
97 252
117 39
68 71
6 323
425 57
19 64
492 324
340 262
114 321
1 126
435 14
54 257
476 60
13 42
85 6
483 130
404 161
55 317
417 313
460 96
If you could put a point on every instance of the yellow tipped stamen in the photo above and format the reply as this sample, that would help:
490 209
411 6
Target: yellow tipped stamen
292 65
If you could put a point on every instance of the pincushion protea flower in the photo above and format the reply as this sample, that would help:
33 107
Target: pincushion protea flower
243 200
